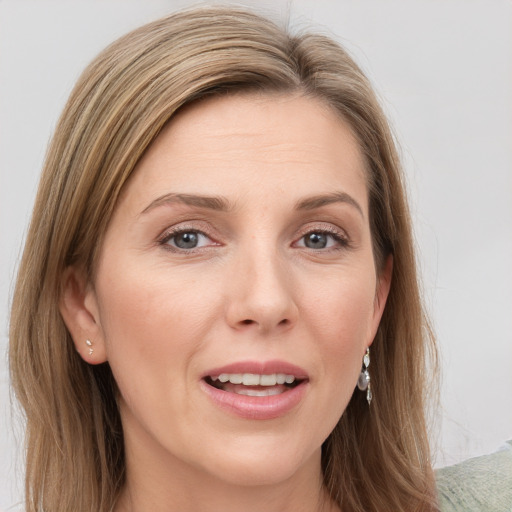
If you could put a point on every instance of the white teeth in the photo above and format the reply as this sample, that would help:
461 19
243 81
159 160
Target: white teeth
252 379
268 380
236 378
259 392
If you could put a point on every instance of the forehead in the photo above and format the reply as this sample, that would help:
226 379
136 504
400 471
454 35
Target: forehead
289 141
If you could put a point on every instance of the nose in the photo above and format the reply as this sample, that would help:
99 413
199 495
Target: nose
262 294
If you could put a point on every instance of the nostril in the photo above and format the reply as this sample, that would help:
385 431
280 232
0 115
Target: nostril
285 322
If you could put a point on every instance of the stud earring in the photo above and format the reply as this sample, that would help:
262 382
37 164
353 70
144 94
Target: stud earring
363 383
89 344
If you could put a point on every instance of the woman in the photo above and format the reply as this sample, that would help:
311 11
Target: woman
220 235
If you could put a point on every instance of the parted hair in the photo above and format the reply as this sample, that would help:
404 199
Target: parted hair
377 458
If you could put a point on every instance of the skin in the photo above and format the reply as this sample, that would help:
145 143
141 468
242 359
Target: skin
252 289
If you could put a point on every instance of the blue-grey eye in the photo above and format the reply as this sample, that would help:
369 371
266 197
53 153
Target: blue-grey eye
316 240
186 240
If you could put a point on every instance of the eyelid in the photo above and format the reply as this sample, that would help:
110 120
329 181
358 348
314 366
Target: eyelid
173 231
338 234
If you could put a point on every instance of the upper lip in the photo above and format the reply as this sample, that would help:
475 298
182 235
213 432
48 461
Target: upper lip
259 368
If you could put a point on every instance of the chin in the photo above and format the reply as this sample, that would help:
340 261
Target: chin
264 465
257 475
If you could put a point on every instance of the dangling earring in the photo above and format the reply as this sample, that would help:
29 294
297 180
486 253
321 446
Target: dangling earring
363 383
89 344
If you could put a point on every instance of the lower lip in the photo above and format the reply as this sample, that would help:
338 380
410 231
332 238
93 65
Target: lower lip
257 407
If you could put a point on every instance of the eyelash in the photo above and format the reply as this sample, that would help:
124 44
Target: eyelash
342 241
173 233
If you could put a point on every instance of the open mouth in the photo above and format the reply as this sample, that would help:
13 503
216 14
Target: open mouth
252 384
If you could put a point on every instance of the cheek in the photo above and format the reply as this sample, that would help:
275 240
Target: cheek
343 309
342 319
152 324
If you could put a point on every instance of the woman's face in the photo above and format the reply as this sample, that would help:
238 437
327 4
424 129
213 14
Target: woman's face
239 256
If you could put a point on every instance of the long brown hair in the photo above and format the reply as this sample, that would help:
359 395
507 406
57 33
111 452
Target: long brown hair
376 458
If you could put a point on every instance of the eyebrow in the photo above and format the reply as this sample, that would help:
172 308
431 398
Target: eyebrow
311 203
216 203
221 204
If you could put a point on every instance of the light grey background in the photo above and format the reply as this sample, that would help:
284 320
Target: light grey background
444 73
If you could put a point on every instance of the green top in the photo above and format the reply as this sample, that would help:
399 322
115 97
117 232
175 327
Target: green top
482 484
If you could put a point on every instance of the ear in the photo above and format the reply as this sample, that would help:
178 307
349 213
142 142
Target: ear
79 308
381 295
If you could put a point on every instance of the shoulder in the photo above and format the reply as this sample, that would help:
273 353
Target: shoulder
482 484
